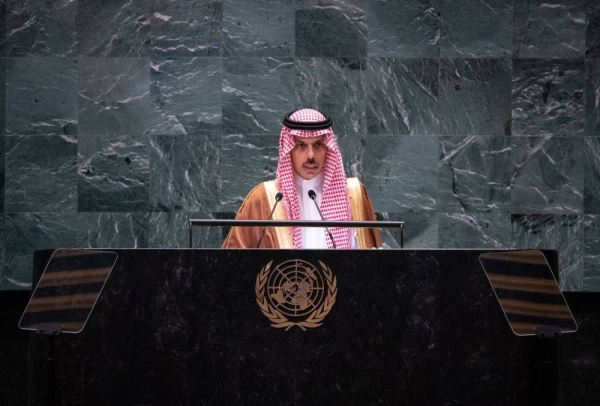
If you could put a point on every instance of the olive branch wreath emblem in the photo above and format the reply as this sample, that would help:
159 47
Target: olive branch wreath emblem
278 319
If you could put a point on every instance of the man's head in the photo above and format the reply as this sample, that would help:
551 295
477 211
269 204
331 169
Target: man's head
307 137
308 156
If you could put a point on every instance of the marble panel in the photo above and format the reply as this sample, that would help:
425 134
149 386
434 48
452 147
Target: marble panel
474 97
170 230
400 173
41 96
480 230
247 161
591 177
26 232
41 174
259 28
488 35
2 29
591 253
2 93
549 29
403 96
592 32
186 96
186 28
114 173
548 97
592 97
2 175
331 28
257 93
558 232
41 28
336 87
185 173
473 175
114 95
420 229
352 148
403 28
547 175
113 230
114 27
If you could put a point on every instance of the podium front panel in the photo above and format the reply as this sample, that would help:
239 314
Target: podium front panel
184 327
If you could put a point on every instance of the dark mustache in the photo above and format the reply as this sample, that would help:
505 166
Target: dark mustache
310 161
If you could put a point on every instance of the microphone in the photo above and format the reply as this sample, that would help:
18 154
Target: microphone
278 198
313 196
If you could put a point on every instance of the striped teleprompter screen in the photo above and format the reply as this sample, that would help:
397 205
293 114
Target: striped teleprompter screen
68 289
527 291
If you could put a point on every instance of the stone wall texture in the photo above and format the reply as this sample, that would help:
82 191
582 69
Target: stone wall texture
477 123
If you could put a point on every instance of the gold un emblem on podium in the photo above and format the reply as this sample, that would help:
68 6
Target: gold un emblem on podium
296 293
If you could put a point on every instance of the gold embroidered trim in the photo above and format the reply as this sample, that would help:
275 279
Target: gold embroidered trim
284 234
356 204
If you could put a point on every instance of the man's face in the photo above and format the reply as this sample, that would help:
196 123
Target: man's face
308 156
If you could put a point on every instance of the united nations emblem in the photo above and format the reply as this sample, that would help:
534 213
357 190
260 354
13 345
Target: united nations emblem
296 293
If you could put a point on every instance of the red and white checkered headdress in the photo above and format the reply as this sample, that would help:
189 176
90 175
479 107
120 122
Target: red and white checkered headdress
335 203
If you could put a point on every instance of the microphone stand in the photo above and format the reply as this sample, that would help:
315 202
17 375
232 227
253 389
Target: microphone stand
313 196
278 198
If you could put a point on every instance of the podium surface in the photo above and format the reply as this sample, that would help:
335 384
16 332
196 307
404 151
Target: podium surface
184 327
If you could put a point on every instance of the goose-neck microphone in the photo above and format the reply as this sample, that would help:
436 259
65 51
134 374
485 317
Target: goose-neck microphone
278 198
313 197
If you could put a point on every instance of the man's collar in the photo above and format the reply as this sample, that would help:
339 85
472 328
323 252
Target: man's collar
309 183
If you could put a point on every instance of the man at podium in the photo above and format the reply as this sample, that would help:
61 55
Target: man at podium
310 176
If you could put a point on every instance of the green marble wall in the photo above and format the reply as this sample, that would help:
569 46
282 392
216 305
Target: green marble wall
477 123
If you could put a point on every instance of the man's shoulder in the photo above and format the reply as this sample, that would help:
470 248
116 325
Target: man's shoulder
357 190
263 189
354 182
257 190
254 200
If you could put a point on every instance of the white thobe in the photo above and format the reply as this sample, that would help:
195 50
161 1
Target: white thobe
313 237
